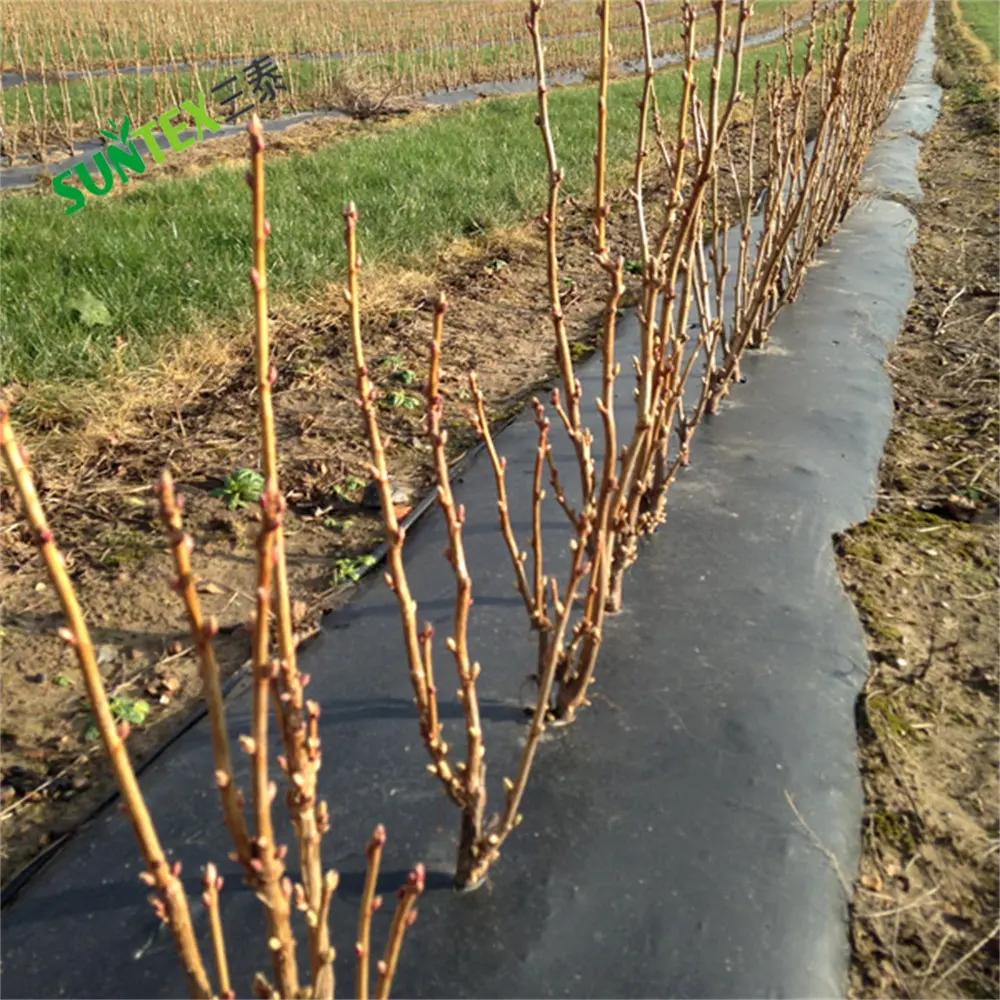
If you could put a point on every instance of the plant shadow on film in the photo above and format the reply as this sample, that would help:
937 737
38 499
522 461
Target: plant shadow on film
713 280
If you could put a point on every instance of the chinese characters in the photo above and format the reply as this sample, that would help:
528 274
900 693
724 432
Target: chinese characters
263 78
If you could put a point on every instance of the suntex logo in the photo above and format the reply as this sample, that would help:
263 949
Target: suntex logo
121 153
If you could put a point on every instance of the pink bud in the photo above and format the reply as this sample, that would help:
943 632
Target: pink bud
267 227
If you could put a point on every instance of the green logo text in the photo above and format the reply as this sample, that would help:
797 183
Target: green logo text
121 153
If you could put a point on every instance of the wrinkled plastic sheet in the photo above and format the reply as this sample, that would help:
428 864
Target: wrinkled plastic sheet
660 854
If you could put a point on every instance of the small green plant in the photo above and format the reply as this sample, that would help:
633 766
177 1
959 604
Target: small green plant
134 712
399 400
351 485
633 267
496 265
242 487
61 680
349 569
396 367
336 524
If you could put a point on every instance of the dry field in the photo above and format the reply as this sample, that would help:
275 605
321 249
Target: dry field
88 60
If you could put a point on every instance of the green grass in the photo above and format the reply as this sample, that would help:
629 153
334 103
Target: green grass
983 17
166 256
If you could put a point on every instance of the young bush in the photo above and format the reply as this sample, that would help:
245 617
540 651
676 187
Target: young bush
838 97
277 680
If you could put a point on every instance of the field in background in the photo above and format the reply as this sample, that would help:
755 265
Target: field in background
88 61
419 185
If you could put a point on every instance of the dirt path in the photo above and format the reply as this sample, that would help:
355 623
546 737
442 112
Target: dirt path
923 574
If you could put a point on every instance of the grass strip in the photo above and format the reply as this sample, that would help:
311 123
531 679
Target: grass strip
983 17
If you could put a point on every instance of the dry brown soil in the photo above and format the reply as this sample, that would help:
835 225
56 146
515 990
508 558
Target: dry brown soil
923 574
